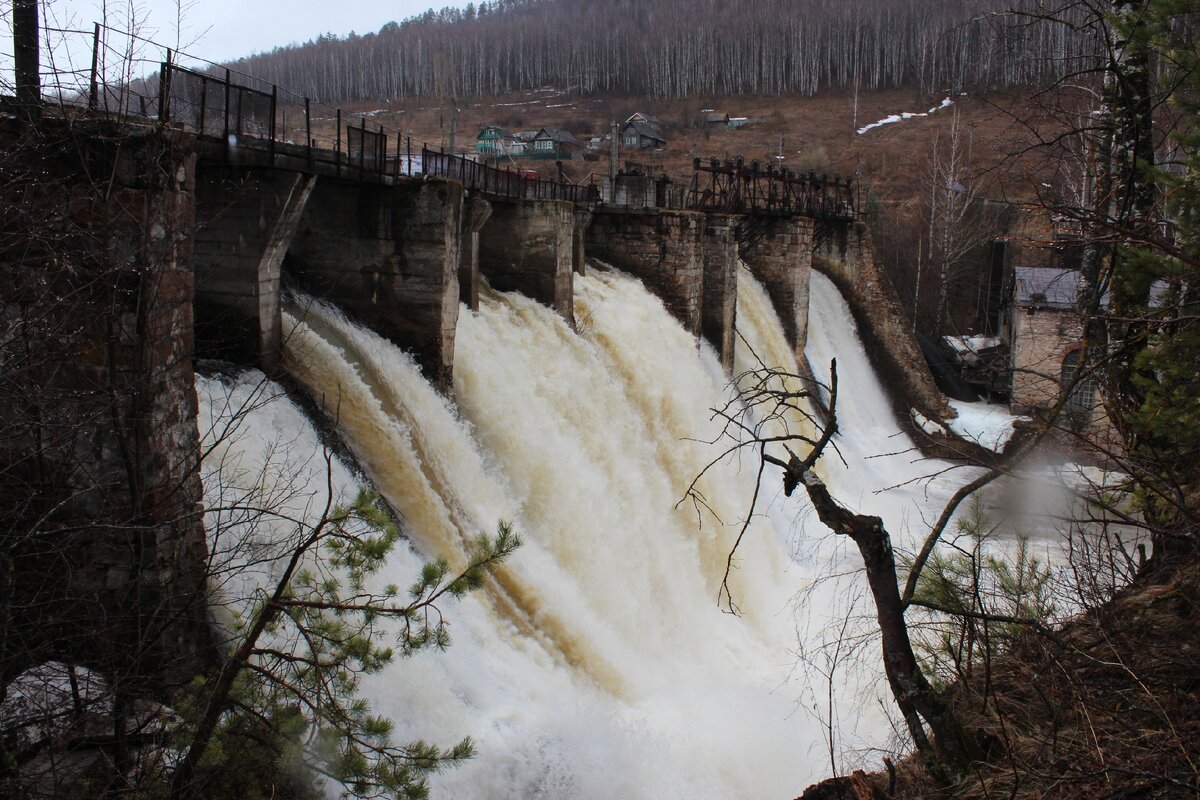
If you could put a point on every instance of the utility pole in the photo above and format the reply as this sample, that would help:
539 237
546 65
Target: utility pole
453 122
613 154
26 57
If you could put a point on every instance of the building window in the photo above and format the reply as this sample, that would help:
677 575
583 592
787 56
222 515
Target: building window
1082 397
631 141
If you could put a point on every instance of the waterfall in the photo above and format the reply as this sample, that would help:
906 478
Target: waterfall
598 662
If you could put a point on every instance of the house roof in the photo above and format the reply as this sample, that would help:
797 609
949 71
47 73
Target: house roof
1048 287
503 133
644 128
1045 287
562 137
637 115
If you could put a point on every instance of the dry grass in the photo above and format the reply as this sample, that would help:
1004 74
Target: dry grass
816 133
1111 710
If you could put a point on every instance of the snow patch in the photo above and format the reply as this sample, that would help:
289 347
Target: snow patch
51 699
972 344
903 115
986 424
931 427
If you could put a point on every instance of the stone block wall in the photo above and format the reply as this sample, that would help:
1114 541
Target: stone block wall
1041 340
389 257
782 260
476 211
99 448
583 220
527 246
662 248
719 304
847 257
246 219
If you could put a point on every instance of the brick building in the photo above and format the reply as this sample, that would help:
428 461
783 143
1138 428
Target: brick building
1044 331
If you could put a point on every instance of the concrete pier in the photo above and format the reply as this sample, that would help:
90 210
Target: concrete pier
246 219
528 246
719 303
781 260
662 248
99 449
389 256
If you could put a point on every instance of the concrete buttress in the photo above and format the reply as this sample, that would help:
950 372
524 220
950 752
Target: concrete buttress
719 312
476 211
663 248
246 219
782 261
527 246
389 255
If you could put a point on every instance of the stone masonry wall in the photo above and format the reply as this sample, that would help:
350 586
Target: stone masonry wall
1041 340
782 260
663 249
848 258
476 211
719 313
246 219
98 444
527 246
388 256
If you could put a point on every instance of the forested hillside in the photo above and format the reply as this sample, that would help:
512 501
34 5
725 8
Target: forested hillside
681 48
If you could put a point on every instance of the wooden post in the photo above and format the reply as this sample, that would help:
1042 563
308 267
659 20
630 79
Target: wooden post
362 147
337 148
228 91
94 83
26 56
203 105
164 90
308 130
272 128
237 122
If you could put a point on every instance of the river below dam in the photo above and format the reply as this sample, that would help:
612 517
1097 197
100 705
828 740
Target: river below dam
600 662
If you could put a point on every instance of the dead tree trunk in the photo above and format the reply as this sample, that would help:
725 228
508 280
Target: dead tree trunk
951 749
948 748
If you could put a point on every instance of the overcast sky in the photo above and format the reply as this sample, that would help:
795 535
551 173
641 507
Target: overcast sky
226 29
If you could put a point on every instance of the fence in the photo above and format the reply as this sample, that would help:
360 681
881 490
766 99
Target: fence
737 187
113 72
505 182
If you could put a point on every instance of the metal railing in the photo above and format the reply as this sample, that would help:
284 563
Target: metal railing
506 182
733 186
118 74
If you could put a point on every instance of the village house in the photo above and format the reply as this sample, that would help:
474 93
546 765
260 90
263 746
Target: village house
1044 332
494 141
639 131
555 145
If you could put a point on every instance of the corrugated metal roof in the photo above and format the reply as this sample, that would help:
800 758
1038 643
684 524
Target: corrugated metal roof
1049 287
1046 287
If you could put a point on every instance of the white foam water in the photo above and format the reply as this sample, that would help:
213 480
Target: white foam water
598 662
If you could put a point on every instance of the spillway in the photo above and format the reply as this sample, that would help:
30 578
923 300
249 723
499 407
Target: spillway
598 663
